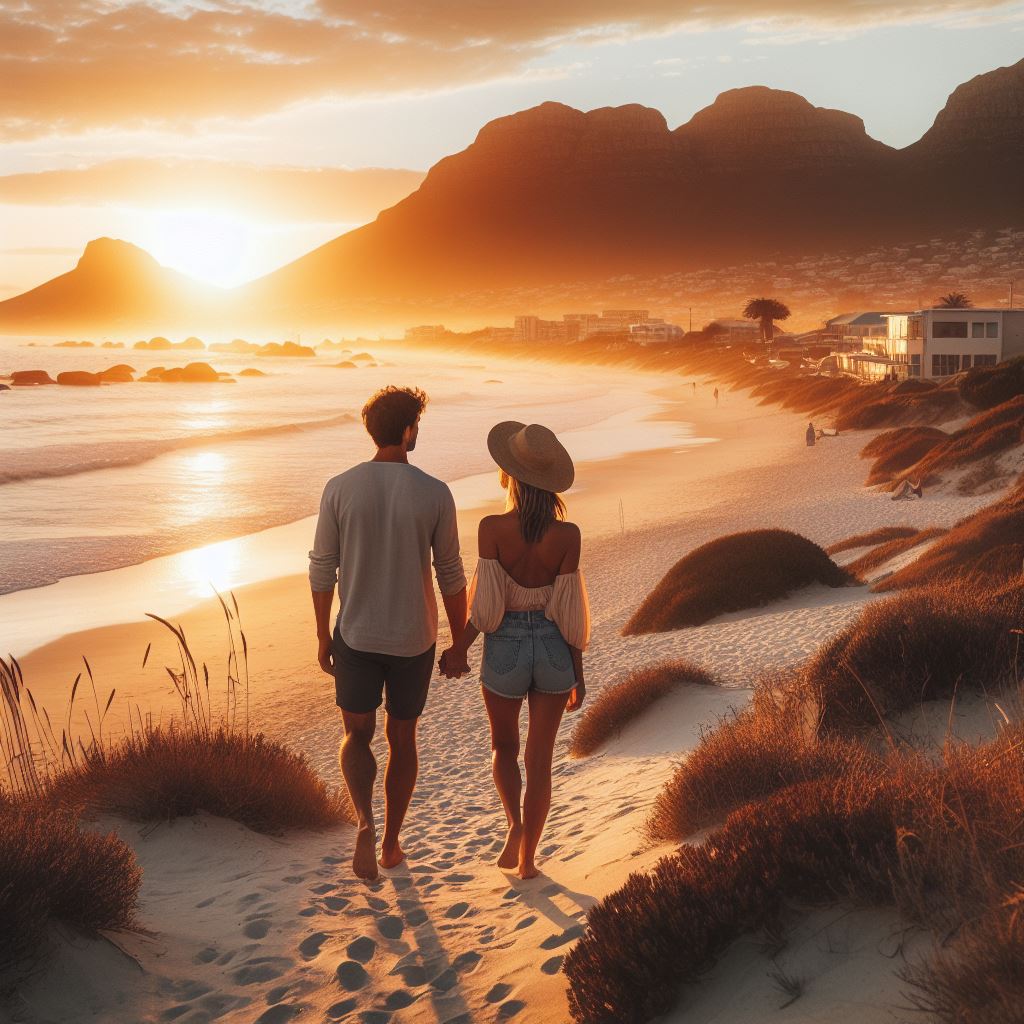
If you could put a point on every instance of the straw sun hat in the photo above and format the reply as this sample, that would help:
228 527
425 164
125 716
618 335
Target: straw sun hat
532 454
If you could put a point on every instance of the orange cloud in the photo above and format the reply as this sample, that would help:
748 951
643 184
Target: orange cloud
286 193
68 65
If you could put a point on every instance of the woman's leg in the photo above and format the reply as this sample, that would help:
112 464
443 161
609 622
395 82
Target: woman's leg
503 713
545 714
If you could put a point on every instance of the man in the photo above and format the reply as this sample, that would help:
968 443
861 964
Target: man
378 524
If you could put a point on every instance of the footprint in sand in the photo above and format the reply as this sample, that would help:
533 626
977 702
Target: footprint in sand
342 1009
552 965
279 1014
554 941
309 947
336 902
322 888
362 949
399 999
509 1009
205 956
526 922
458 910
498 992
391 927
351 975
265 968
257 928
467 961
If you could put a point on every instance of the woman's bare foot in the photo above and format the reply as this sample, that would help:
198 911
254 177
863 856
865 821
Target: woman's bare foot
528 870
510 854
391 854
364 860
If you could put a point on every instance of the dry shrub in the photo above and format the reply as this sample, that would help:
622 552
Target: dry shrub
618 705
884 552
53 871
733 573
917 646
990 433
980 980
863 540
988 544
886 405
988 386
897 450
938 842
768 746
165 773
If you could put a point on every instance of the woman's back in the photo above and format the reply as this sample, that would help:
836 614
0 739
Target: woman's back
534 564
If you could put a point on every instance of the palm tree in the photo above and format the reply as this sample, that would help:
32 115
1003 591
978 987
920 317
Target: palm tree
767 311
954 300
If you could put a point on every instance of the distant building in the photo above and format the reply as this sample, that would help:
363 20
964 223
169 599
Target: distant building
849 331
939 342
426 333
533 329
733 332
659 333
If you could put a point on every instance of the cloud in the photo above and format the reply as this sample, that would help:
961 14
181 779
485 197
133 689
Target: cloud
72 65
266 192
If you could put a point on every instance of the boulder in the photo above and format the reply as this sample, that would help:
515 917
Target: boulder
200 373
345 365
288 348
79 379
23 378
237 345
154 344
250 372
5 387
120 374
192 343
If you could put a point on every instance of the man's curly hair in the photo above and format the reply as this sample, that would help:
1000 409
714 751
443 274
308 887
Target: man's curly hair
390 410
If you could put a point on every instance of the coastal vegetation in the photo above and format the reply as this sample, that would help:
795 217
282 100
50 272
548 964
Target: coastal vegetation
55 865
734 573
607 714
813 801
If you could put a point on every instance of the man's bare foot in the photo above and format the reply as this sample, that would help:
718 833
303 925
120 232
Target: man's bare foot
364 860
391 855
528 870
510 854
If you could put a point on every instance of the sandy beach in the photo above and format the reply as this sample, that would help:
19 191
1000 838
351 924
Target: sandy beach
242 927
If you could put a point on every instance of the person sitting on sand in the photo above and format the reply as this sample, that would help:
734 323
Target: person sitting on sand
907 490
379 522
529 599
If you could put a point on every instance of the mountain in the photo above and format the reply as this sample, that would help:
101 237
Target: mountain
555 195
114 284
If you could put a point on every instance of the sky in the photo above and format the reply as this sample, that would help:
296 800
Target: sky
228 137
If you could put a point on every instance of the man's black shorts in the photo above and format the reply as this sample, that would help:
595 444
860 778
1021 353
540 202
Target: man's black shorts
361 678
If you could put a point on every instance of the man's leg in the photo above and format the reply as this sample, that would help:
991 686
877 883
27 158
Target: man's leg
359 768
399 783
407 683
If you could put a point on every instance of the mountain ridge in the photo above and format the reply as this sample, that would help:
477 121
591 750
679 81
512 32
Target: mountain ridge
553 193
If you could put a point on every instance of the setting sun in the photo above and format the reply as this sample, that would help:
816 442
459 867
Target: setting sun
211 246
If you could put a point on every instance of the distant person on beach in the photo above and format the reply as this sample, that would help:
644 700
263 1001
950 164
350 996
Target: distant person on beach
529 599
810 435
694 387
907 490
379 523
716 396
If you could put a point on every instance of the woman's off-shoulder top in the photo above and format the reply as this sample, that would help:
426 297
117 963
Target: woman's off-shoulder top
492 592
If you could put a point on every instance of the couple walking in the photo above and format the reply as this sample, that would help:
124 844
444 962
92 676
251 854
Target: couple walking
381 524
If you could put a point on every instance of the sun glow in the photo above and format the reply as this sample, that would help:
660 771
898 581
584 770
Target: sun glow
208 245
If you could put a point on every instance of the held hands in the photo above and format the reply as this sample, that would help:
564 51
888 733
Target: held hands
453 663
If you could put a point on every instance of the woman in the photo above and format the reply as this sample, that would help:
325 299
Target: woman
528 598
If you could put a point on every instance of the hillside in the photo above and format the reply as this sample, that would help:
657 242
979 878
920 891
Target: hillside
553 196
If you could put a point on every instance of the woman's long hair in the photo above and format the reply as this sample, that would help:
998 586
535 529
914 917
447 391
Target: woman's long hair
537 508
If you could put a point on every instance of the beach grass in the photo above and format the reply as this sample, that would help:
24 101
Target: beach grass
607 714
925 644
935 841
895 451
734 573
870 539
55 871
987 546
882 553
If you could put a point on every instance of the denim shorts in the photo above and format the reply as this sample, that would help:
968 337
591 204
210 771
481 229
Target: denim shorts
526 652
